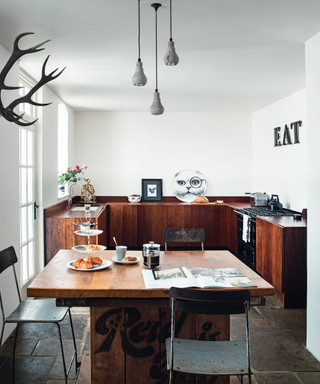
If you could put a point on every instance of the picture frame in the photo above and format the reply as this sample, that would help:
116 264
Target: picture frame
151 190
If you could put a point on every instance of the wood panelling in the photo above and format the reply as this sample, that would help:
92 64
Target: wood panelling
123 224
153 219
231 230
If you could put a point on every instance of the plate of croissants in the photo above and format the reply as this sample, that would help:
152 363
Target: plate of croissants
89 248
127 260
90 263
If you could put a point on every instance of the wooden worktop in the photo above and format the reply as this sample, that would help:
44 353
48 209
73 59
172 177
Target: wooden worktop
126 281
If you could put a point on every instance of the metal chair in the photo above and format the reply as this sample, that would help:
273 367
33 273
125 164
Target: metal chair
209 357
184 235
34 311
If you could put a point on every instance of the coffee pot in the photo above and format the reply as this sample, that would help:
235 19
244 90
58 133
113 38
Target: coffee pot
274 204
151 255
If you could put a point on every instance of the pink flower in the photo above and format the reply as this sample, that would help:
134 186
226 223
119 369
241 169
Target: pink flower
76 167
84 167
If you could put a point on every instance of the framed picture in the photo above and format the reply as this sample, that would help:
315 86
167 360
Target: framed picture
151 190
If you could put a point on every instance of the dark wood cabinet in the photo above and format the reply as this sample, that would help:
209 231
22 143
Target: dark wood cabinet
231 230
137 224
282 258
122 222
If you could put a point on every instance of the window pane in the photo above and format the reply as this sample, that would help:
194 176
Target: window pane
23 224
23 147
23 185
30 222
31 259
24 255
30 185
30 147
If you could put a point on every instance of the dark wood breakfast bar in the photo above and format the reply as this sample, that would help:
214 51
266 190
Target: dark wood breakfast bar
129 323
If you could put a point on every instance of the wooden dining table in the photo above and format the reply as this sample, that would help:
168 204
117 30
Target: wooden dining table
130 323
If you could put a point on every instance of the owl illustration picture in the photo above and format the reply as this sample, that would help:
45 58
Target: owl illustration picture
188 185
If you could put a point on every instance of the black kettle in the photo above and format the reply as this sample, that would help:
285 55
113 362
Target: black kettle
274 204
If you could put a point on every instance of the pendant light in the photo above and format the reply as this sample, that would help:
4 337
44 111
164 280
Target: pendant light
156 107
139 79
171 58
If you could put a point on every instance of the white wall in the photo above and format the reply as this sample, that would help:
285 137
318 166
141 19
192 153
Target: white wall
313 158
122 148
49 142
281 170
9 190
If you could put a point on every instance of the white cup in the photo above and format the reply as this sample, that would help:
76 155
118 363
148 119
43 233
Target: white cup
121 252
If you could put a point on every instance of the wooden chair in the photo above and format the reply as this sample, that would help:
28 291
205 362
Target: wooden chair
209 357
184 235
34 311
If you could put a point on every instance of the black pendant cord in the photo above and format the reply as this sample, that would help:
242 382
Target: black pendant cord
156 6
170 20
156 23
139 59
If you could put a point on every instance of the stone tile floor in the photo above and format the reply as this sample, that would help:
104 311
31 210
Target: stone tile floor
278 348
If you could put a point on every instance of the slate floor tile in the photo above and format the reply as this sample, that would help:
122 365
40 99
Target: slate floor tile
277 378
294 319
309 377
281 351
24 347
57 373
49 347
28 369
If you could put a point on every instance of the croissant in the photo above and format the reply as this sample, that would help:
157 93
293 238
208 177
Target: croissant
92 247
76 263
85 265
82 264
93 259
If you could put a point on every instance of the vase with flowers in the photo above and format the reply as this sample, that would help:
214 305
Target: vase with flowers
71 177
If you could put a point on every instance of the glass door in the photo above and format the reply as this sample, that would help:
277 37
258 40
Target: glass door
27 204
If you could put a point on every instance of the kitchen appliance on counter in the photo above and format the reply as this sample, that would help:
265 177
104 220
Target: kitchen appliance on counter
247 230
151 255
274 204
258 199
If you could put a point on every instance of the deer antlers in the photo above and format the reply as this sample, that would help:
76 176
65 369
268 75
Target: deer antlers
8 112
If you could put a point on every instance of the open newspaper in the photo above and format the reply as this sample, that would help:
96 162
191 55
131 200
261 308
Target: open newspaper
195 277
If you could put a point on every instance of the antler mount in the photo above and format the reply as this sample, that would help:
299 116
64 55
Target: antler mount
8 112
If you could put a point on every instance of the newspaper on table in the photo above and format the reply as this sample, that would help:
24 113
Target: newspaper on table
182 277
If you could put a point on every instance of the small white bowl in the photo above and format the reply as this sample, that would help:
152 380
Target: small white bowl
220 201
134 199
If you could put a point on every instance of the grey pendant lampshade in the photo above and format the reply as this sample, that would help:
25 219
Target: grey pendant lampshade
139 79
171 58
156 107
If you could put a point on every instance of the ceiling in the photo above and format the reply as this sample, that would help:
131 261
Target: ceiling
235 55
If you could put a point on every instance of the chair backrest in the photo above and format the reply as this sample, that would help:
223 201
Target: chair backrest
8 258
210 302
184 235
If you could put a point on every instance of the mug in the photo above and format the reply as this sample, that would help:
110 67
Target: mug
121 252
